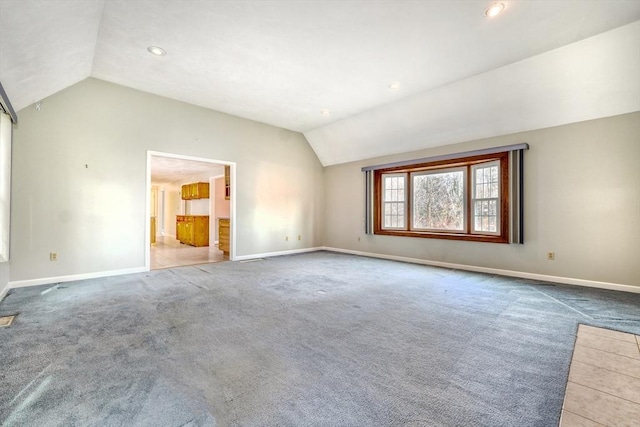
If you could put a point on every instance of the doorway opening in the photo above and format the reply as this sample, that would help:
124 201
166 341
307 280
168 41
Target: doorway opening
187 198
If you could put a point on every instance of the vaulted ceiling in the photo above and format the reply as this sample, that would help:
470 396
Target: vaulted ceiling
461 74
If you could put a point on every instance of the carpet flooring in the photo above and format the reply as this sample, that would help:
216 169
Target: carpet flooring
318 339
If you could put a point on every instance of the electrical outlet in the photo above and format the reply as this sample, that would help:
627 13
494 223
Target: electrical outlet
53 256
551 256
358 239
286 238
299 237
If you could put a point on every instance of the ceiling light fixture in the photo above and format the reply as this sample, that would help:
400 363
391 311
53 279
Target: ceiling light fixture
325 112
157 51
394 85
494 9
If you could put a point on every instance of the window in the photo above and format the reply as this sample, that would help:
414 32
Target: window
394 201
5 184
438 200
486 197
463 198
7 118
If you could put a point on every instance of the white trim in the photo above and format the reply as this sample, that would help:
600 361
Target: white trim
74 277
232 213
279 253
3 293
510 273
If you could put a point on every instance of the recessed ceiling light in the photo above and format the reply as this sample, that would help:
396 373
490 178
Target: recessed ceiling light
325 112
394 85
494 9
155 50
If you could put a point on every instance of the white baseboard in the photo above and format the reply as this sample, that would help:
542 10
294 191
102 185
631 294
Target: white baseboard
510 273
272 254
70 278
73 277
3 292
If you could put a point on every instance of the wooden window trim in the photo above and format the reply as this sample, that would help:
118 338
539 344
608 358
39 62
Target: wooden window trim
502 237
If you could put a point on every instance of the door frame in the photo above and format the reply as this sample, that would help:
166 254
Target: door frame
232 206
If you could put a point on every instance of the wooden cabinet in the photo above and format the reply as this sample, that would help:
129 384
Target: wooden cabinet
227 182
186 192
193 229
196 190
181 228
223 235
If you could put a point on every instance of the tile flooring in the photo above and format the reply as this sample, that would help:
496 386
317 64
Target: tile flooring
168 252
604 380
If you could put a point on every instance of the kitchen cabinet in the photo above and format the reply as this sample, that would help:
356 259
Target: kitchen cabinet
196 190
223 235
193 229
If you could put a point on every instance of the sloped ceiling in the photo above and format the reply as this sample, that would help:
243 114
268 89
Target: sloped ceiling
283 62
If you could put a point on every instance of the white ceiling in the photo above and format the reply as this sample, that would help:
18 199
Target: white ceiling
282 62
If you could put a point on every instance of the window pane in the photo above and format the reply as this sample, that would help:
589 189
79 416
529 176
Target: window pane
493 207
393 187
438 201
393 203
487 197
494 189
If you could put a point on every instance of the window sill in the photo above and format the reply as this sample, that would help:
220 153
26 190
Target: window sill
448 236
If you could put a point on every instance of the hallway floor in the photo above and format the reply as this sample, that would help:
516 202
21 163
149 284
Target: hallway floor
168 252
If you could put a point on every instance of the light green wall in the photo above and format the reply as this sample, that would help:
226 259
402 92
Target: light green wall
582 201
93 216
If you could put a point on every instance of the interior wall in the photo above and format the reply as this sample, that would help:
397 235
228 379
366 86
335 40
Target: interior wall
581 197
172 207
222 206
80 178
